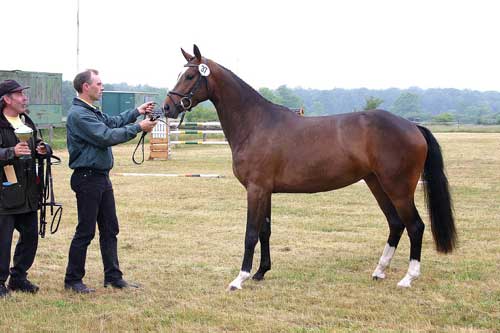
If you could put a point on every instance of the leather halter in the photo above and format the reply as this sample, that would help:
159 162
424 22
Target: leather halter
185 103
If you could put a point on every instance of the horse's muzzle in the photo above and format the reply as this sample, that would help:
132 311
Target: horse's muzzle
167 111
170 113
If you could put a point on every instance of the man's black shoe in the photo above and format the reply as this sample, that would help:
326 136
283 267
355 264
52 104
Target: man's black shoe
3 291
23 285
78 287
120 284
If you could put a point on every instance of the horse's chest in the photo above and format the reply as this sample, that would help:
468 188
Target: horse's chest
241 169
250 169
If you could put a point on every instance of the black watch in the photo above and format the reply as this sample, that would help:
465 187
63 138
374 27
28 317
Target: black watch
11 153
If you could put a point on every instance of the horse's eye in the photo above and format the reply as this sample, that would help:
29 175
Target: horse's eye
189 77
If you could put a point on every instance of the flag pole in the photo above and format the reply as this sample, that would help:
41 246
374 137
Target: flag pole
78 36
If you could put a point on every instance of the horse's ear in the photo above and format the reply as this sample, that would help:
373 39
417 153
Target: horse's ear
197 53
186 55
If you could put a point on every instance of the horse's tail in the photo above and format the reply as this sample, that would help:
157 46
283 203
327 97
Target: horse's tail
437 196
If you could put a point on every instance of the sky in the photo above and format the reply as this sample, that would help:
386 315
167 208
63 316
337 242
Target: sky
317 44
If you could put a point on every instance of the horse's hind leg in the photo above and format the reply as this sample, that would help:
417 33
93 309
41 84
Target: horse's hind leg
415 228
401 193
396 227
265 253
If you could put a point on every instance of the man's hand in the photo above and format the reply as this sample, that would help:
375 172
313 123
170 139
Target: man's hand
147 125
22 148
146 107
41 149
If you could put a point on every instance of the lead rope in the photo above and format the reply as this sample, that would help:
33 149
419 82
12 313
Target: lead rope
140 143
45 178
155 115
56 216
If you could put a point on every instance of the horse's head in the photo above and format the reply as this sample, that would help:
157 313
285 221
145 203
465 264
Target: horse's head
191 87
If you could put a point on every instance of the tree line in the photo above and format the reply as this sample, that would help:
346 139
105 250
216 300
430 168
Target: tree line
436 105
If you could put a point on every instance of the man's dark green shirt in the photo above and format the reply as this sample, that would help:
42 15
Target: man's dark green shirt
91 133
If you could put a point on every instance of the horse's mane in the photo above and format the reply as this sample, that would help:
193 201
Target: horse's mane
252 91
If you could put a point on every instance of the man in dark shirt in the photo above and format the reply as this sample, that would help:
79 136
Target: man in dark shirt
19 189
90 135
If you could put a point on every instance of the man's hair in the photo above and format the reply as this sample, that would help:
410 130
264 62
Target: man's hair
2 102
83 77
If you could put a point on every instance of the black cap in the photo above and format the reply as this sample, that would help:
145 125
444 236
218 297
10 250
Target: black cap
10 86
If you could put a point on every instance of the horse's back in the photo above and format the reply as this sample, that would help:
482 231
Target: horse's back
362 132
355 133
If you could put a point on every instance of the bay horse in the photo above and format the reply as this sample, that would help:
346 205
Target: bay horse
274 150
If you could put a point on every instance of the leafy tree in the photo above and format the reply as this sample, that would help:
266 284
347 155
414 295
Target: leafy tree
270 96
202 113
372 103
318 109
479 114
408 106
290 100
444 118
159 98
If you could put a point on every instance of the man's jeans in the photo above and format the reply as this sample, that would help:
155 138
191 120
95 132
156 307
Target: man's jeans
24 255
95 202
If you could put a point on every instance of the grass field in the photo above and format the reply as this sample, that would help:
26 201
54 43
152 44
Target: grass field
182 240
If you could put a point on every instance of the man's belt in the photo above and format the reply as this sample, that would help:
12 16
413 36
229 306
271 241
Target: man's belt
92 171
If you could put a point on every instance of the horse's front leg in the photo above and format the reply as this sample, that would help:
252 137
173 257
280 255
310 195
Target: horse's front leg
258 199
265 253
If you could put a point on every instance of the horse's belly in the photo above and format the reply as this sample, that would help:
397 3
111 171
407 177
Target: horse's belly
315 182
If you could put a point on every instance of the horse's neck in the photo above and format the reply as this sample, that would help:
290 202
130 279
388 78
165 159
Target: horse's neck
239 107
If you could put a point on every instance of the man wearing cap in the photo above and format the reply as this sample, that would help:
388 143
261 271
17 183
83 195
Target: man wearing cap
90 135
19 190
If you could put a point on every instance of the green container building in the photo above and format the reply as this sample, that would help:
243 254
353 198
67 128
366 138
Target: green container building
45 95
115 102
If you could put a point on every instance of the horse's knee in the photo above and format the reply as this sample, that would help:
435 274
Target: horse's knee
416 229
396 230
251 240
396 225
265 232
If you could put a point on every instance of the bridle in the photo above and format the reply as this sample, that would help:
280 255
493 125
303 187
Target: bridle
185 103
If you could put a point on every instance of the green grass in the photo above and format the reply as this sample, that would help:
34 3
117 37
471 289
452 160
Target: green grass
59 137
182 239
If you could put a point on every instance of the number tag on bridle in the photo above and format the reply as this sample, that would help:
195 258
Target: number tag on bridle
204 70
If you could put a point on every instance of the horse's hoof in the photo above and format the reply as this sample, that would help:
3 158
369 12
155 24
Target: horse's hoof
404 283
232 288
412 275
377 277
258 277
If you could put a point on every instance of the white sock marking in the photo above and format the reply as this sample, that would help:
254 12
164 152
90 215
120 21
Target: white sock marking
412 274
384 262
237 283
